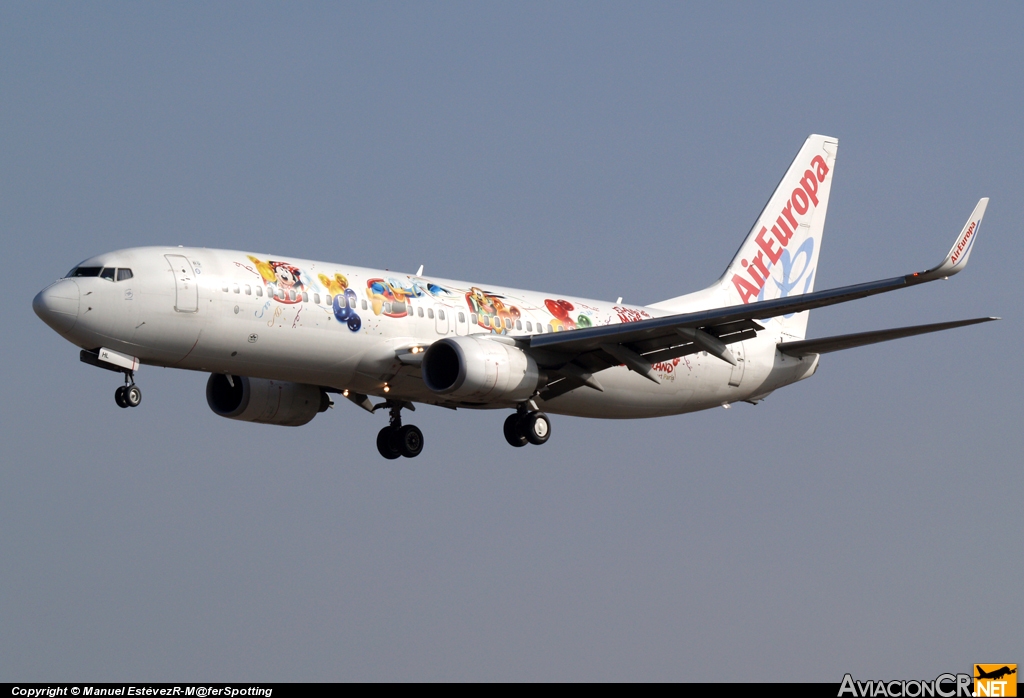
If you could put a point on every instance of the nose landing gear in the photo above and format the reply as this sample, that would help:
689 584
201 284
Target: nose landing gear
395 440
129 394
527 427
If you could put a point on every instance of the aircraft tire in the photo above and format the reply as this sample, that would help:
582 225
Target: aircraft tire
537 428
410 441
513 431
132 396
119 397
386 445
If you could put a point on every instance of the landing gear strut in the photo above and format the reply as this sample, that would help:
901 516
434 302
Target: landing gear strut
396 440
527 427
129 394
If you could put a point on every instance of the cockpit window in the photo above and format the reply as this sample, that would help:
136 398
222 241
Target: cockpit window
124 274
85 271
108 273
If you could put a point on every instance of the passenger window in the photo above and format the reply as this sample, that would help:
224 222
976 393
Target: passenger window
248 290
419 311
364 304
430 313
550 328
107 273
327 299
291 295
462 317
259 292
124 274
529 326
473 318
236 289
316 298
224 289
519 324
387 307
508 324
440 315
485 321
305 297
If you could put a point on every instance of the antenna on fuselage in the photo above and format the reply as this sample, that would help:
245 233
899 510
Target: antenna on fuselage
419 272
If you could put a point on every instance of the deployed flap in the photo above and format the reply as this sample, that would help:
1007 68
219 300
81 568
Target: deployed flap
860 339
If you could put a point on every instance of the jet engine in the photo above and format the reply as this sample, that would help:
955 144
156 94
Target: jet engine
473 369
265 401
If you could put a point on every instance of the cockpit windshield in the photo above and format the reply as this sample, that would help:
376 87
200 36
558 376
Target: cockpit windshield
84 271
109 273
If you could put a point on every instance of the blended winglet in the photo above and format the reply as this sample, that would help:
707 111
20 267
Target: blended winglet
956 260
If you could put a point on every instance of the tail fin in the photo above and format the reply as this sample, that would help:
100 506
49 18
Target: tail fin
780 254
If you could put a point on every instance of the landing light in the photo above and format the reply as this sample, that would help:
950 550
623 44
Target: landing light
387 388
344 393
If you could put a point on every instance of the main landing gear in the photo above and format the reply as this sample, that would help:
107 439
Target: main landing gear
129 394
396 440
527 427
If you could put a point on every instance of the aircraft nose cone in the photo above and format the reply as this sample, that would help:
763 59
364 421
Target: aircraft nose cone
57 305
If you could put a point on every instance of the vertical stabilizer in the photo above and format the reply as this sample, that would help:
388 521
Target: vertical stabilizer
779 257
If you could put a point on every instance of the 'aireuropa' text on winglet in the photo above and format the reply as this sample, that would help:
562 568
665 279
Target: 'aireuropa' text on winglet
956 260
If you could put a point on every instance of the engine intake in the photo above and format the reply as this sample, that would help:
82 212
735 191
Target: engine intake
479 370
265 401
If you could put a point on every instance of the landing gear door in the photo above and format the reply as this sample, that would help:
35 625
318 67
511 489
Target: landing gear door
186 299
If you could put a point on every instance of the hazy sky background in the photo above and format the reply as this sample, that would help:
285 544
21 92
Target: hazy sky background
866 521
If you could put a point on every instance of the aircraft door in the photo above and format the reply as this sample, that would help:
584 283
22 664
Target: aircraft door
186 298
736 377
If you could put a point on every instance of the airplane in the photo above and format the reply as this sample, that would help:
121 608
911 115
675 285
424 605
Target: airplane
994 674
280 336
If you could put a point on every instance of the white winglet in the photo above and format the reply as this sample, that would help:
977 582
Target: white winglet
956 260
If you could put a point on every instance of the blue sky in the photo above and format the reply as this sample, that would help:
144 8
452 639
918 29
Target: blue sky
863 521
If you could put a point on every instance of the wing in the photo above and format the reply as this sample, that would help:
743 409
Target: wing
849 341
574 357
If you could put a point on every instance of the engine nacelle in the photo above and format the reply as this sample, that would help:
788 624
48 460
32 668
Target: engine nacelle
265 401
479 370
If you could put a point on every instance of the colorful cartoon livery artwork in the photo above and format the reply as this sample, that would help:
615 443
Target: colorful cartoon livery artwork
344 301
285 284
283 280
561 312
390 297
490 311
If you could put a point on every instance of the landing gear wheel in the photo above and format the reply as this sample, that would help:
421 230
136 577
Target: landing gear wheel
119 396
513 432
537 428
410 441
386 444
132 395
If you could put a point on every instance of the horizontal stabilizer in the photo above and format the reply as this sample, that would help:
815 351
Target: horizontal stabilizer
849 341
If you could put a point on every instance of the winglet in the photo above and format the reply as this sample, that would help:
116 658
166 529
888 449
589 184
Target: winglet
956 260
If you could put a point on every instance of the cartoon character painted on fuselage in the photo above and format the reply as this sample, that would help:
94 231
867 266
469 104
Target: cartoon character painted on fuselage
491 312
283 277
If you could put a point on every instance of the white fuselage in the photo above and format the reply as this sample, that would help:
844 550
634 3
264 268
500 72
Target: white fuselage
269 317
